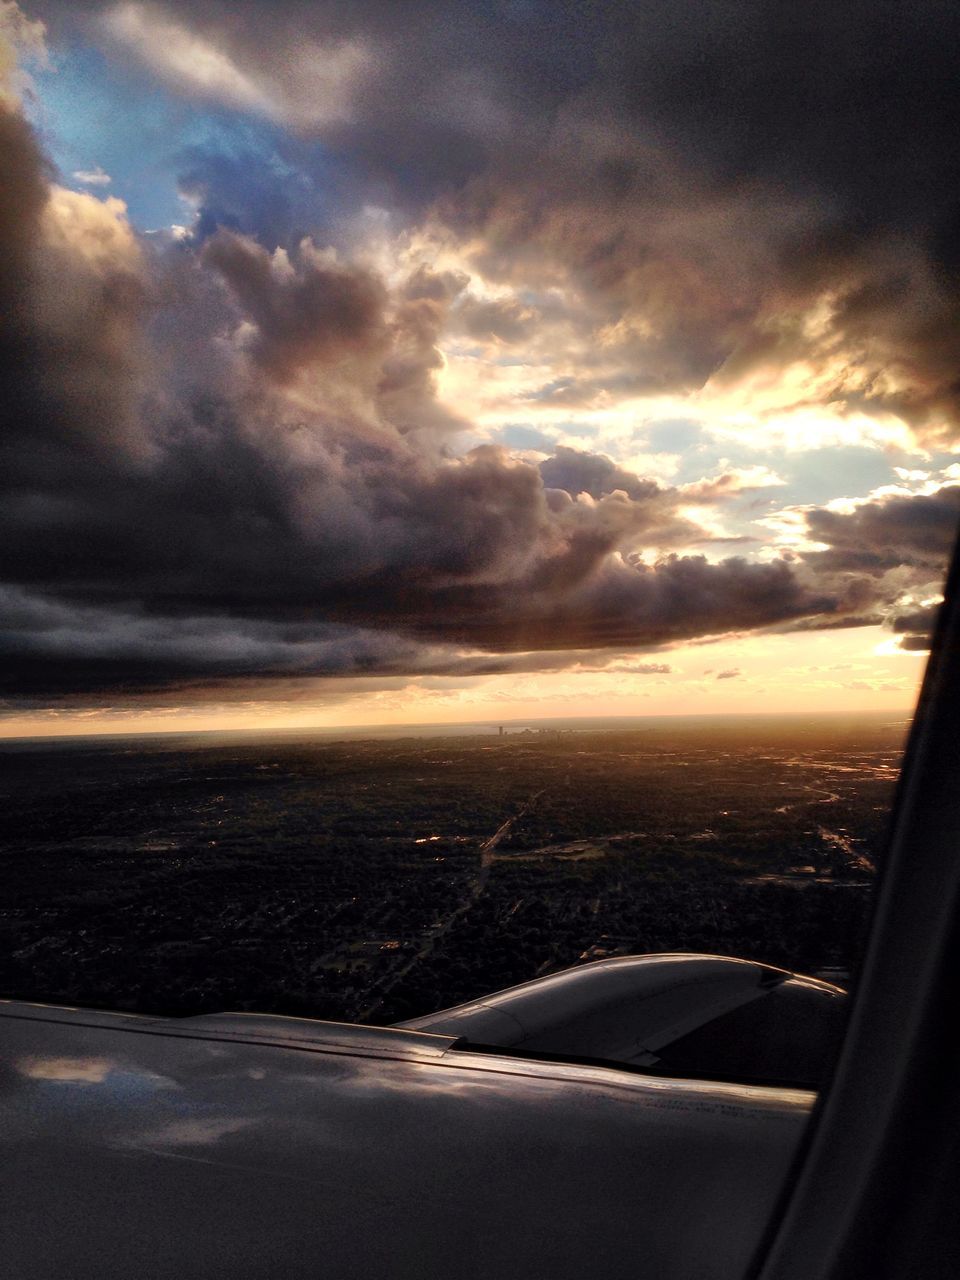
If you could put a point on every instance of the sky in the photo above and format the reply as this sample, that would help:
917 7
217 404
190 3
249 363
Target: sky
374 363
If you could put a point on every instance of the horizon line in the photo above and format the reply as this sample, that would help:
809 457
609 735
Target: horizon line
436 728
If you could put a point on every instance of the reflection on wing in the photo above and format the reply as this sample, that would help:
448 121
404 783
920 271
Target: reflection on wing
237 1147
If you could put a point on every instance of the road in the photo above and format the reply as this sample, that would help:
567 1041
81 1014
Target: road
443 927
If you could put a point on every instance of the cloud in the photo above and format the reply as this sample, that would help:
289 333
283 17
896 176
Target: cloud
185 59
873 686
22 41
639 668
312 87
576 471
499 320
729 674
878 557
228 459
779 234
921 621
917 531
733 481
916 628
95 177
915 644
315 312
840 623
242 524
80 655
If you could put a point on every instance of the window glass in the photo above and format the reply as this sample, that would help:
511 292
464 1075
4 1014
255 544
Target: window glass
477 487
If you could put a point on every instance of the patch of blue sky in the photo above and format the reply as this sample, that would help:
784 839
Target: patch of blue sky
672 435
823 474
254 178
539 298
516 435
92 113
522 435
585 430
814 476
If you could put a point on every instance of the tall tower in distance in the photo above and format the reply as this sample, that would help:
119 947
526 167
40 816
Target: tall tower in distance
501 731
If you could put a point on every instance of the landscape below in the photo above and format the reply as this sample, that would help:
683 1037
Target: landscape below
369 880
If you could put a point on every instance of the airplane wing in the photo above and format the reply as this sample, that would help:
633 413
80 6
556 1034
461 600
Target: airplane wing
703 1016
246 1146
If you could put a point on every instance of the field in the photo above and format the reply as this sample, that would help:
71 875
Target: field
369 879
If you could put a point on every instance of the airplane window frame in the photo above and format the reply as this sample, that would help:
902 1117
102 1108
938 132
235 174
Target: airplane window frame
875 1189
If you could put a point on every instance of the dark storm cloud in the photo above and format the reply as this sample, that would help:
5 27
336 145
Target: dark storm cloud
54 646
227 463
733 166
879 556
715 171
23 194
915 643
853 105
73 651
71 303
321 312
578 472
916 628
921 621
625 603
710 172
501 320
917 532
